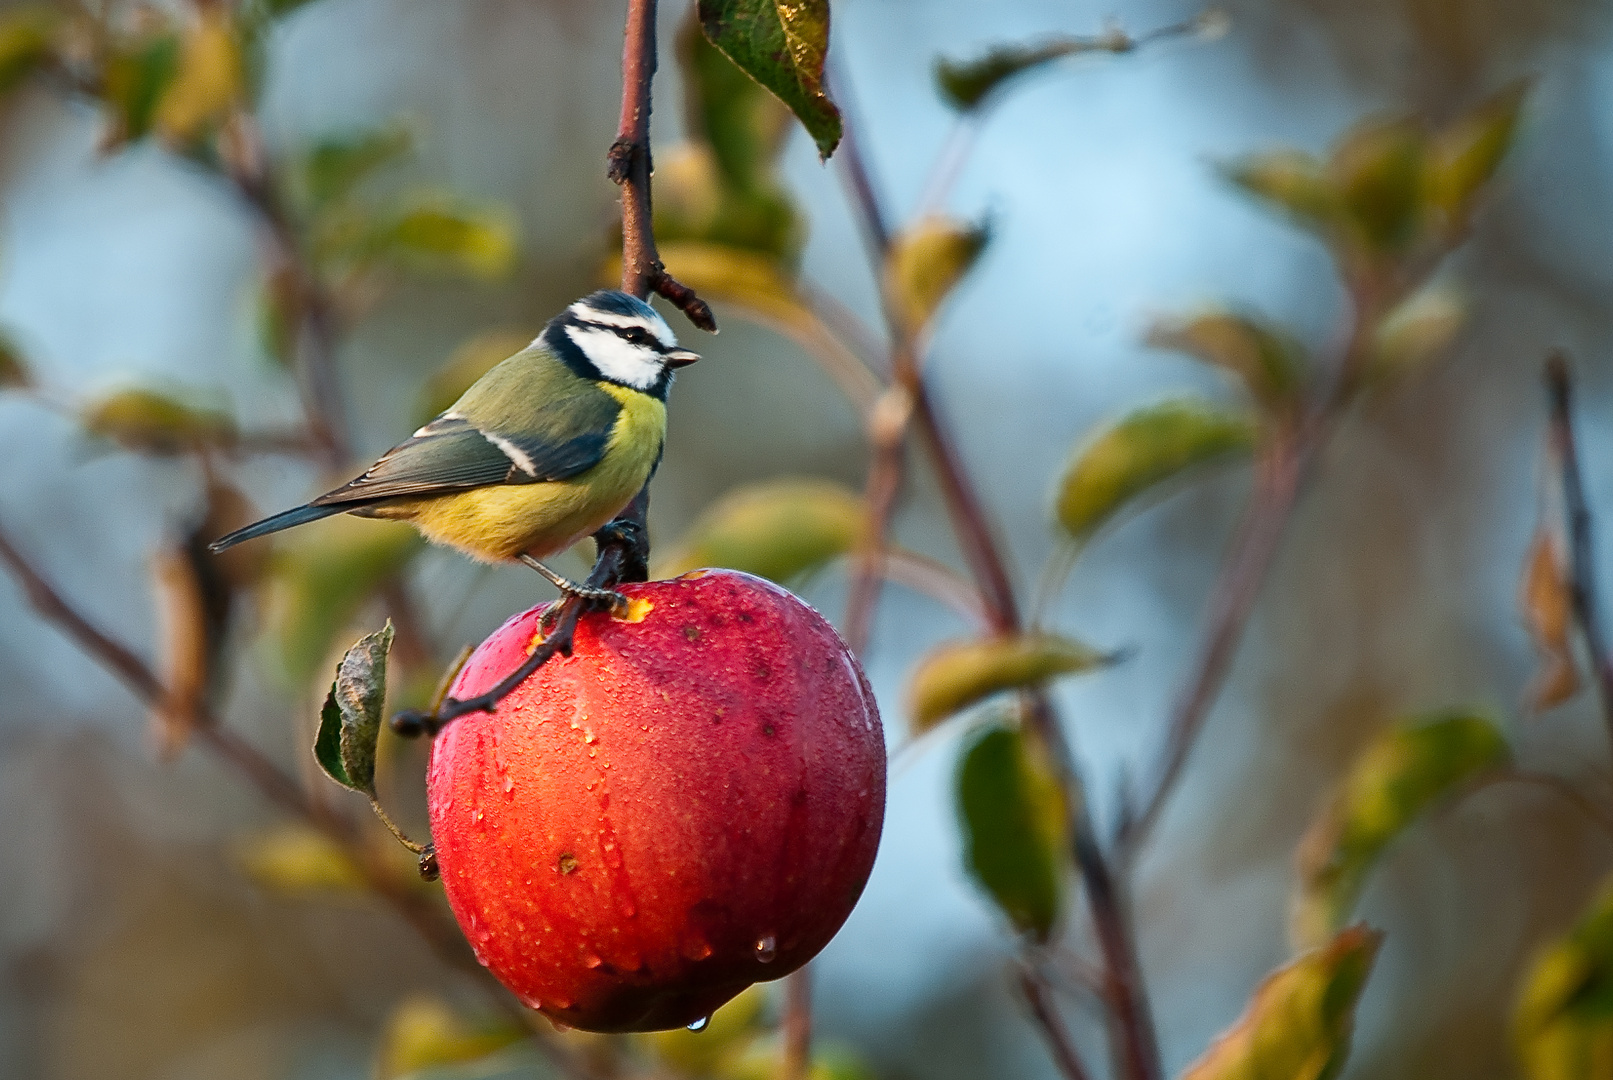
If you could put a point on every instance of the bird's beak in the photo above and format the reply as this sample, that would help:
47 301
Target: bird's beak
681 358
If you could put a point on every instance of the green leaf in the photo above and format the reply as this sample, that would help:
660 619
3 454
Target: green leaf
208 82
1139 452
322 574
1377 169
280 8
1014 829
956 675
350 722
425 1033
1418 332
135 79
926 262
1300 1021
730 112
154 422
1295 183
298 859
781 45
1268 359
1563 1024
966 83
438 235
332 168
473 359
1395 779
27 36
778 529
1463 158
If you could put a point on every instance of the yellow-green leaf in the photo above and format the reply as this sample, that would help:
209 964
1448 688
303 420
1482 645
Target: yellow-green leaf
1464 157
136 77
1268 359
729 1030
1014 828
156 422
1377 170
1300 1021
927 260
731 113
1418 332
1563 1024
322 573
762 1059
298 859
27 36
438 235
954 676
350 722
333 167
778 529
1139 452
208 82
1396 778
1295 183
473 359
782 46
425 1033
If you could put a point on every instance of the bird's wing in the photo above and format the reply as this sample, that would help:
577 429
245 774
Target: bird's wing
451 453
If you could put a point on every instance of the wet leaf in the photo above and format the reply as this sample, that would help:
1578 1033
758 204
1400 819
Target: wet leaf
1377 170
956 675
1463 158
27 37
1548 612
208 82
699 1053
350 722
731 113
1399 776
778 529
1268 359
1299 1024
926 262
1418 332
1563 1024
1014 828
332 168
1295 183
184 647
473 359
442 236
783 47
1139 452
156 422
425 1033
322 574
298 859
136 78
14 373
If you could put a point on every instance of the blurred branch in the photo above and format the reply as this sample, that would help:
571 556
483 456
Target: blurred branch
1581 529
796 1061
1045 1011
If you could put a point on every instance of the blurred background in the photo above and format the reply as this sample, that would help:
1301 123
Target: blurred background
135 939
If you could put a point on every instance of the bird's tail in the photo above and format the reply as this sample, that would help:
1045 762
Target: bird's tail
286 520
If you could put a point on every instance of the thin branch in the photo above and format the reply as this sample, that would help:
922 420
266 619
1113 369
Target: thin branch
1581 530
796 1027
1039 996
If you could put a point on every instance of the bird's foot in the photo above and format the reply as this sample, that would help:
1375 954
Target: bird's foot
607 598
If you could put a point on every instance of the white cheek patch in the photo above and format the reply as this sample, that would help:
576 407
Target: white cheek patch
619 361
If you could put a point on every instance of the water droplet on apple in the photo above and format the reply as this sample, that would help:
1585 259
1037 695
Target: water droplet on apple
767 949
590 960
509 785
700 1024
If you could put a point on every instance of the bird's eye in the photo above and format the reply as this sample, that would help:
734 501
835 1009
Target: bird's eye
638 336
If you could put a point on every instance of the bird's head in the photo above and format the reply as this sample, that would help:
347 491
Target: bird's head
617 338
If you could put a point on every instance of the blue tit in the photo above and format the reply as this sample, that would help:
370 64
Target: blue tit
540 452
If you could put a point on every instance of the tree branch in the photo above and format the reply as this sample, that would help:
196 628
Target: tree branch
1040 999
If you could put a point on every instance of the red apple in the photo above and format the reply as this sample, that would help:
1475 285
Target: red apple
688 804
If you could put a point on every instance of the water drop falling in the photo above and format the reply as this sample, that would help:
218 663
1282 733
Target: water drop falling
700 1024
767 949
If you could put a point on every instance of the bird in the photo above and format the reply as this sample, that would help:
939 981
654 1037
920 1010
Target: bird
544 449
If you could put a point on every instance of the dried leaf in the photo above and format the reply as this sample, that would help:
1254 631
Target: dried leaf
1141 451
155 422
1268 360
1563 1025
778 529
1548 611
350 722
1014 827
208 83
783 47
1299 1023
1463 158
954 676
926 262
1399 776
425 1033
298 859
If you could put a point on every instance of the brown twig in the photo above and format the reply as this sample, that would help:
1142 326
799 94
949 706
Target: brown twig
1039 997
1581 529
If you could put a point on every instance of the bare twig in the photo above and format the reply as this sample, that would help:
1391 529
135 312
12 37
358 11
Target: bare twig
1581 526
796 1060
1045 1011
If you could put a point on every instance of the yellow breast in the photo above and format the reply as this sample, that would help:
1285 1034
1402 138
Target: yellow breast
500 522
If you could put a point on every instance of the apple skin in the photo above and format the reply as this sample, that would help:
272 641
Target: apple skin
688 804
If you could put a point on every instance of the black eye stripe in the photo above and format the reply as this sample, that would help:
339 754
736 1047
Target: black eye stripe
638 335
